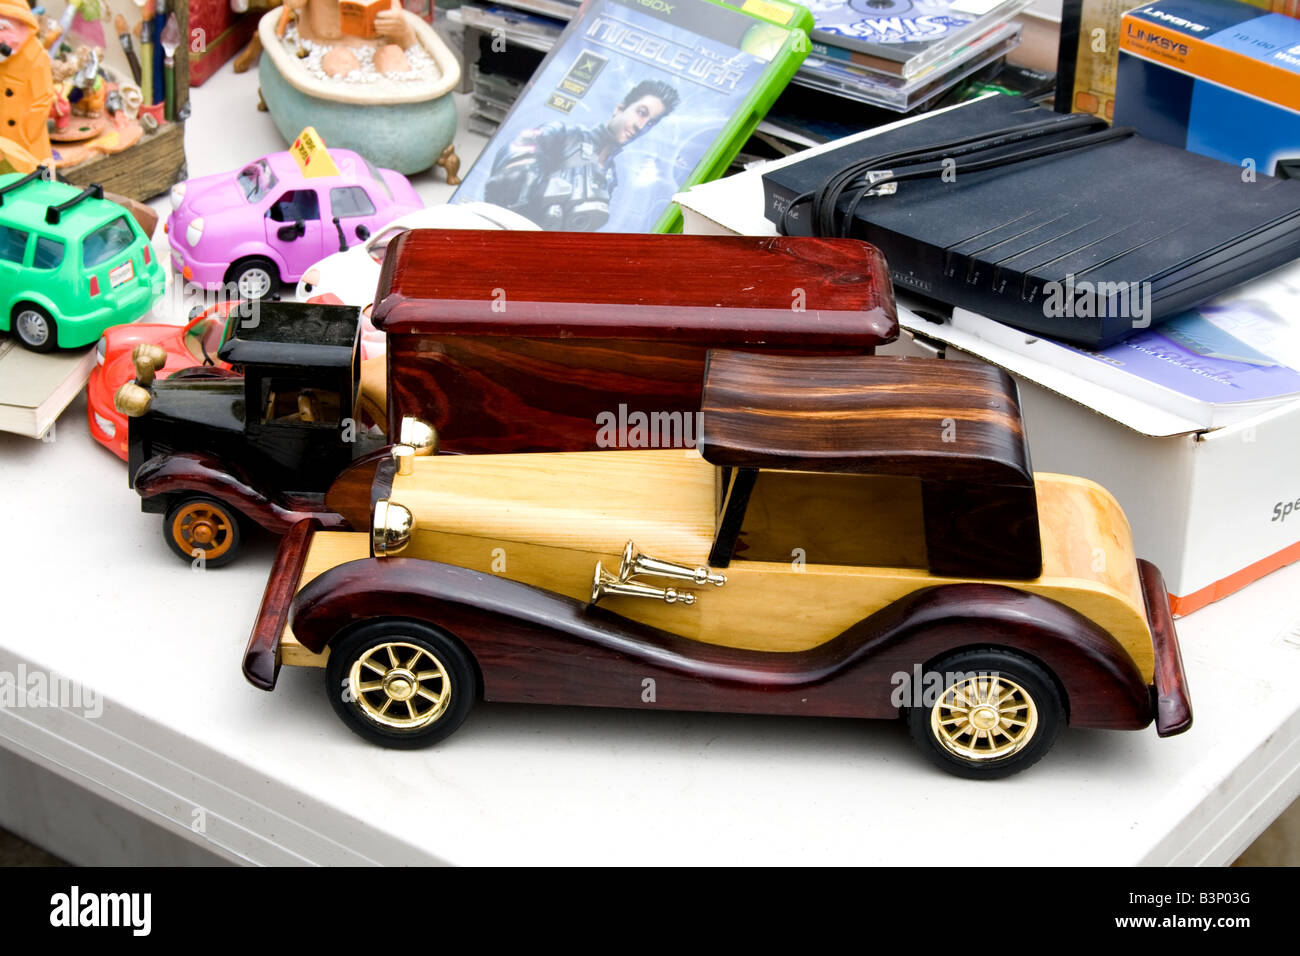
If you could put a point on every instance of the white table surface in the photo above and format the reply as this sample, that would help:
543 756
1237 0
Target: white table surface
91 592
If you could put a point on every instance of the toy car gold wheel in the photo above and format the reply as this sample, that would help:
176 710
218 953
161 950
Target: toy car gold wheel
400 683
996 713
203 528
254 278
34 328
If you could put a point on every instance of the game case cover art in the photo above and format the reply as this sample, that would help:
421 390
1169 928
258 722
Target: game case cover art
899 29
625 112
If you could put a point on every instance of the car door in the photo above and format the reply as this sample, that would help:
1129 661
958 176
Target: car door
352 216
295 231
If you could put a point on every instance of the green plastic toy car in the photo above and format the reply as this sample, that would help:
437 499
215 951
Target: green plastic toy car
72 263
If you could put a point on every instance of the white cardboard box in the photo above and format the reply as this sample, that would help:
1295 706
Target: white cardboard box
1208 507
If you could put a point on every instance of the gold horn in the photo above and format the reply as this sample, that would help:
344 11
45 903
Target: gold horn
634 563
132 400
147 359
603 583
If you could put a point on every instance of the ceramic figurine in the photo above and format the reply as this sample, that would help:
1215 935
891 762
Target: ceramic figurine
26 90
379 82
252 229
854 537
561 363
72 263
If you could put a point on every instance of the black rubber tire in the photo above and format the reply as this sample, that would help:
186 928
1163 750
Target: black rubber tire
456 662
51 341
236 272
1033 678
230 516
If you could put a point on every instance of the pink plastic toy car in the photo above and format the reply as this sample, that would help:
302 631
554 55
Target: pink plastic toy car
266 223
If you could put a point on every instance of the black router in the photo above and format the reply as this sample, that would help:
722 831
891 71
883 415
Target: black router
1052 223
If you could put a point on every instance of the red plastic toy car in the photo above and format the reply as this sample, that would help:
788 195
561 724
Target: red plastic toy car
192 346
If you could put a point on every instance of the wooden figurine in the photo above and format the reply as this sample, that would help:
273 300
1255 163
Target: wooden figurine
855 537
518 356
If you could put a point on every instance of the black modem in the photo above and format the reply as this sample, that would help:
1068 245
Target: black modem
1100 233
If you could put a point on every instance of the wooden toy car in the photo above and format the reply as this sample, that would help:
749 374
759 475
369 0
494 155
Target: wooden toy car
492 349
854 537
214 452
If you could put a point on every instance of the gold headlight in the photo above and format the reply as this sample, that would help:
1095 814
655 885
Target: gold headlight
391 531
420 435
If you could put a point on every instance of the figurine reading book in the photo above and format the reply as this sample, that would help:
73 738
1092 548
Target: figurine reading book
350 26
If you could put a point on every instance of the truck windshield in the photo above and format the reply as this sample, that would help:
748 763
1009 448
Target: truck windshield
256 180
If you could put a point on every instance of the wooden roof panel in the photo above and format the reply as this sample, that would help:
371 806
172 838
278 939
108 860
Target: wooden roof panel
713 290
934 419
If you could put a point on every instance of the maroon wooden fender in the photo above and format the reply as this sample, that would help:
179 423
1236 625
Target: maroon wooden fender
534 646
262 658
162 477
1173 703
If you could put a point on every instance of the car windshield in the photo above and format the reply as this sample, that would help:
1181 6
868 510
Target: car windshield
378 247
106 242
206 335
374 174
256 180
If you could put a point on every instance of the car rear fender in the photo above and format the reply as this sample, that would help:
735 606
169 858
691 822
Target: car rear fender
1100 683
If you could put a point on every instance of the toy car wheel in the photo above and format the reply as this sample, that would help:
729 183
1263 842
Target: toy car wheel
997 714
203 527
400 684
35 328
254 278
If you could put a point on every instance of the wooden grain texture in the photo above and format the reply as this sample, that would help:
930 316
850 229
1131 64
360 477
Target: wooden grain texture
1173 705
876 415
533 646
956 427
352 492
168 478
775 292
262 657
149 168
545 520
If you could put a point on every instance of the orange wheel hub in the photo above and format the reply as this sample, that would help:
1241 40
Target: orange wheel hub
203 527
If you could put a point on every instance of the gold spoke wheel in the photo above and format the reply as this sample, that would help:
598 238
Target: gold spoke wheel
984 717
400 685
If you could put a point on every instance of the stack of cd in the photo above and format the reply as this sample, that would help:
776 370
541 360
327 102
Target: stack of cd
902 54
897 55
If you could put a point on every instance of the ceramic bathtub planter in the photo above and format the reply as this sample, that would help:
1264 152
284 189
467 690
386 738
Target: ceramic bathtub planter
406 131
